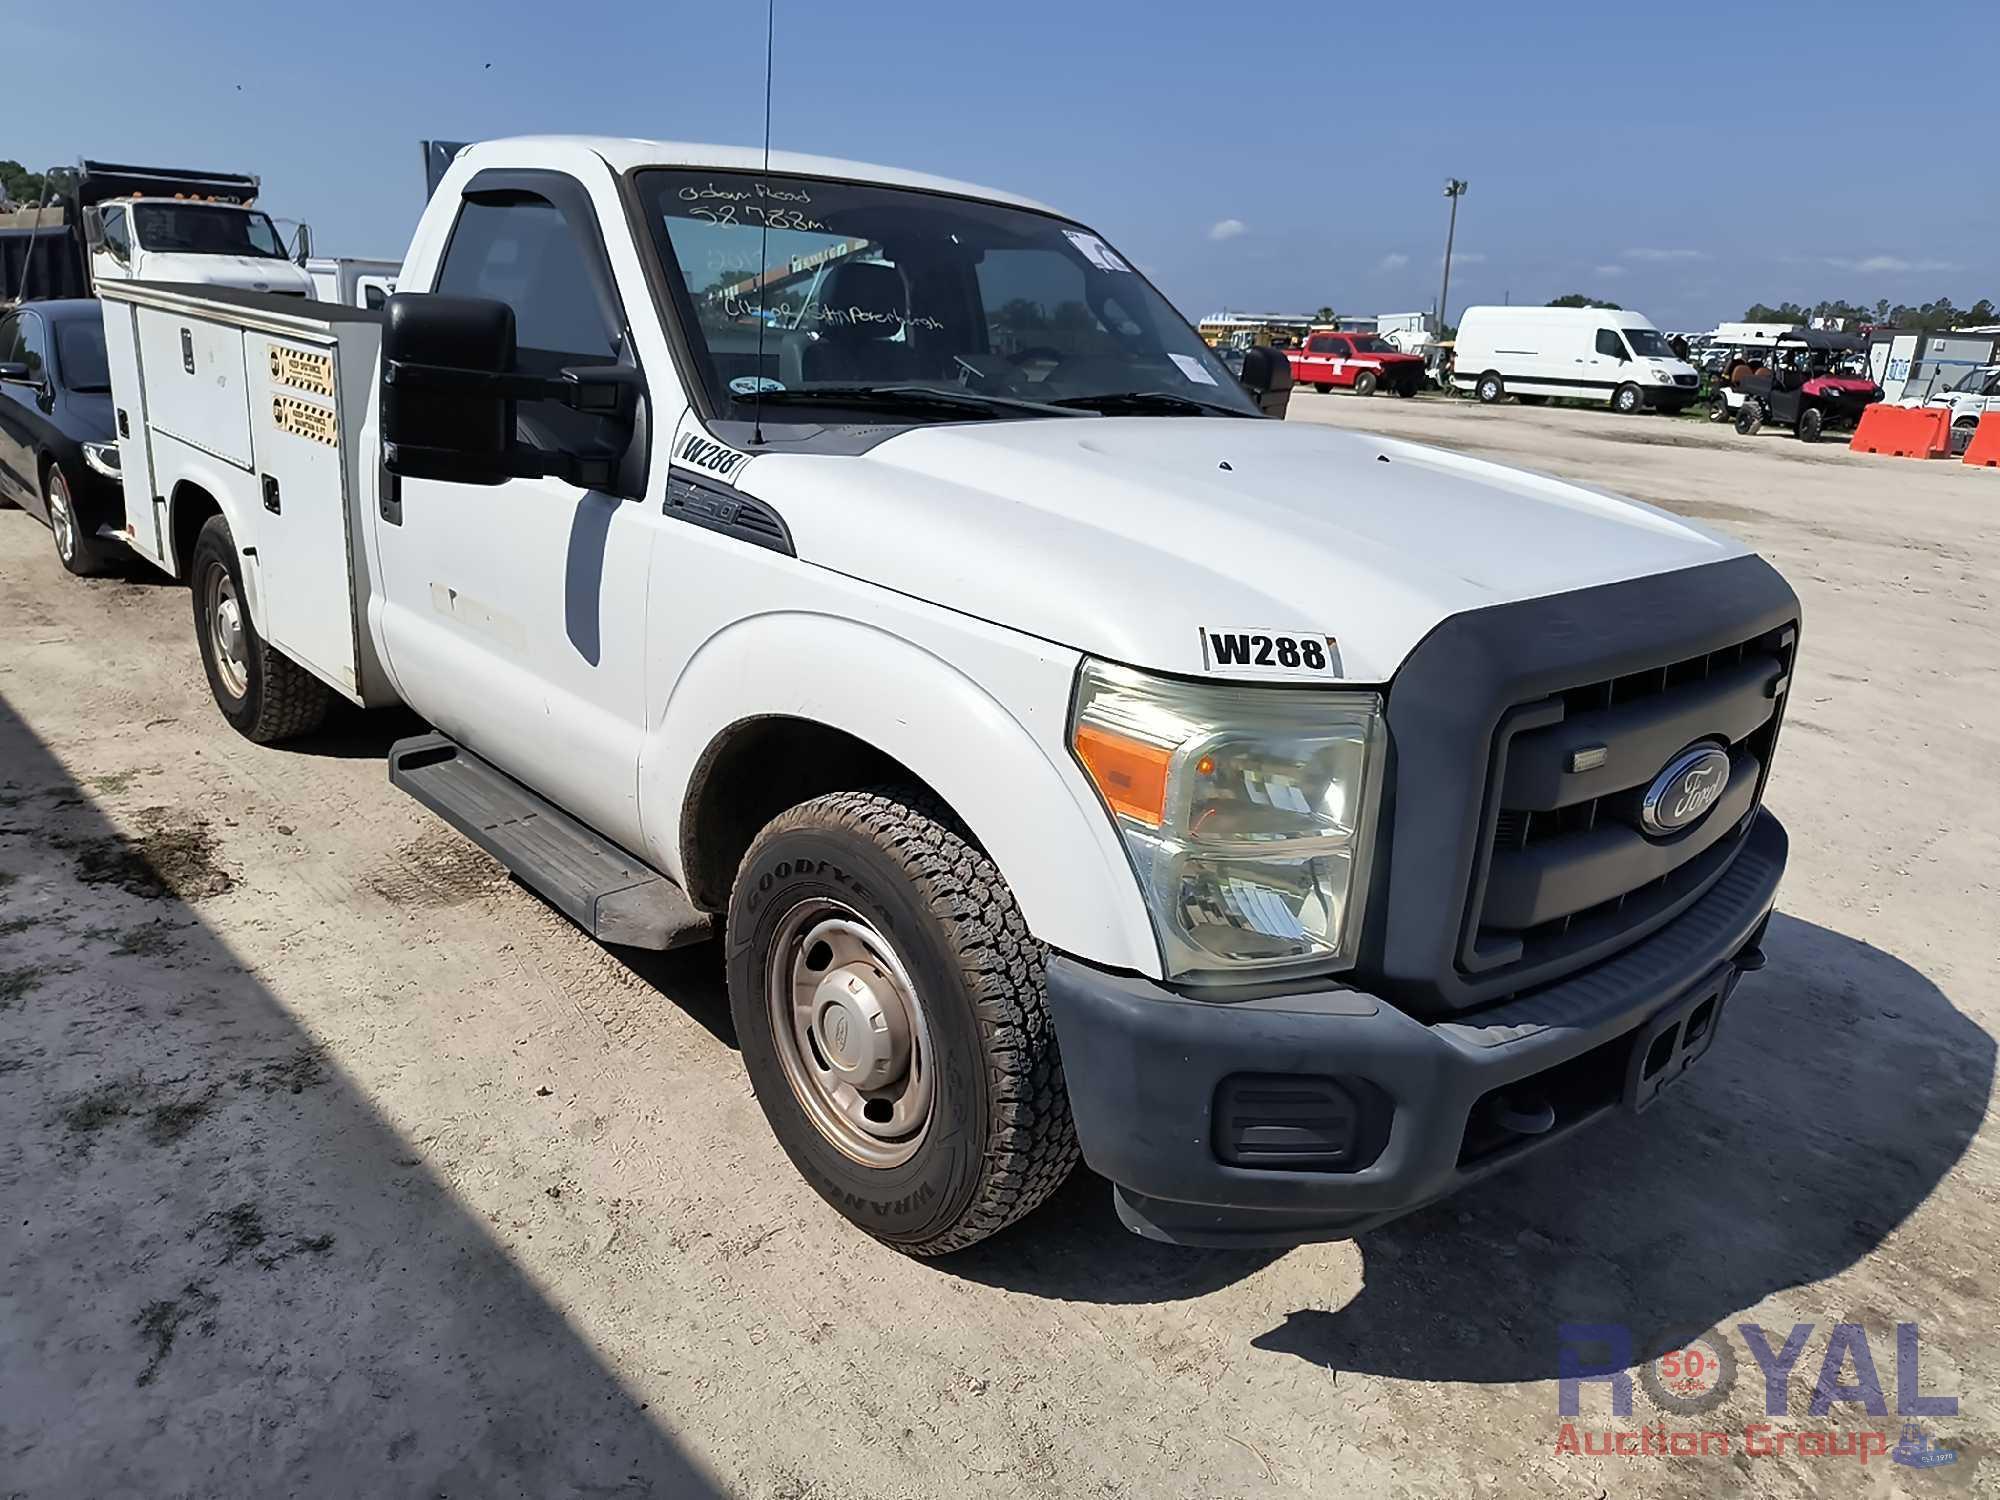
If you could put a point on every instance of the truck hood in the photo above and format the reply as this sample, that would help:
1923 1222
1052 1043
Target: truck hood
1127 537
251 273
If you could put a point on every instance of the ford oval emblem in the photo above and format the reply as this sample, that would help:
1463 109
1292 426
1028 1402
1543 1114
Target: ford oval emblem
1686 789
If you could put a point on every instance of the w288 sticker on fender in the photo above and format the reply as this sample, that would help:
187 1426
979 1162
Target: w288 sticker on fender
1257 651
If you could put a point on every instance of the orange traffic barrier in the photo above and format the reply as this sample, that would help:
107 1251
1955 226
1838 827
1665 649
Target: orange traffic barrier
1984 449
1904 431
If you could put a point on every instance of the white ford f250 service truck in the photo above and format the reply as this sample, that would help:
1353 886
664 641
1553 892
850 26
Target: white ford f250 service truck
1299 824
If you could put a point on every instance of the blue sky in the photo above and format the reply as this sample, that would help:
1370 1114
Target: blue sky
1269 157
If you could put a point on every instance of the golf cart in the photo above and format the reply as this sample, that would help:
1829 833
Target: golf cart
1815 380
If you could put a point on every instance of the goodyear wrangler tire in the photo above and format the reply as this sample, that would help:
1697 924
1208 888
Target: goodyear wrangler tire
892 1011
265 695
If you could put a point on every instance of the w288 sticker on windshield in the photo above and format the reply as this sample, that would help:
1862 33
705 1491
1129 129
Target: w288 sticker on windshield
1256 651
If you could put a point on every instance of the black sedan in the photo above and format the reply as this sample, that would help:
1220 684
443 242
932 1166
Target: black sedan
58 447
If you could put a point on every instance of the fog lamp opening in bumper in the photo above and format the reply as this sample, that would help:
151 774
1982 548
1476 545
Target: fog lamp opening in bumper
1301 1123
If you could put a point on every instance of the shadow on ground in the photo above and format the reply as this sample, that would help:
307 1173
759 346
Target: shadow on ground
1843 1088
221 1272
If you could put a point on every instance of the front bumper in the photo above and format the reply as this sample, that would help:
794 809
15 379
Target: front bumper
1155 1075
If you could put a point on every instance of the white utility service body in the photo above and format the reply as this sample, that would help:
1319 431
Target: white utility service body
930 600
1611 355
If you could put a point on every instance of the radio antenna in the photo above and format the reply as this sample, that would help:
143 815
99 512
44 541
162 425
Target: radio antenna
764 238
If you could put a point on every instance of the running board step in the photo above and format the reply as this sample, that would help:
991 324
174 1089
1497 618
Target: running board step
614 896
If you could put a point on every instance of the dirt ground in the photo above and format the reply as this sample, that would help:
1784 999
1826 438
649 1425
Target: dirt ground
336 1164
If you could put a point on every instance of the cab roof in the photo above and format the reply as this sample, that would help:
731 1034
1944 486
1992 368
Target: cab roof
626 154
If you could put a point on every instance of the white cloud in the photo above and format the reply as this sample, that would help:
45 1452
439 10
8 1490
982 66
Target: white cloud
1608 272
1227 229
1395 260
1890 263
1654 253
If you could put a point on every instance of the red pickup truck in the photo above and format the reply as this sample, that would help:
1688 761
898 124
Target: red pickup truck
1357 360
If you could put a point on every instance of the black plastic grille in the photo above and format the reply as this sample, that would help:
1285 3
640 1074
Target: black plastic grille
1567 867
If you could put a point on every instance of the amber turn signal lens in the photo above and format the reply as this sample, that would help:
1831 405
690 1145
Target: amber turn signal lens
1131 774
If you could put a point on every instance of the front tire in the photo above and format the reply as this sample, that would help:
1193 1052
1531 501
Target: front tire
1718 409
1489 390
78 551
893 1015
1812 421
1365 383
1322 386
1750 416
1627 400
265 696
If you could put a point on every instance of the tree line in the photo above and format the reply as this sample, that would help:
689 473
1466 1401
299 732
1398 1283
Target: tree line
1941 313
27 188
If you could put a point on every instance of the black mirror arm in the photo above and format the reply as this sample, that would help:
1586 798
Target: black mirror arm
601 390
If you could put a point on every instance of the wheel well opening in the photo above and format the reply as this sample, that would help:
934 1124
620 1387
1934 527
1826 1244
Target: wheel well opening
753 771
191 506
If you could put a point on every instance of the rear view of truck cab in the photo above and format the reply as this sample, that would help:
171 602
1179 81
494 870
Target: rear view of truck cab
1295 824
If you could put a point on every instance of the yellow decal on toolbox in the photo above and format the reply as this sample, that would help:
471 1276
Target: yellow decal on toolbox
302 369
303 419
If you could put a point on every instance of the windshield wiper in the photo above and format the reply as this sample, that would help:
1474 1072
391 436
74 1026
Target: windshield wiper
912 397
1112 403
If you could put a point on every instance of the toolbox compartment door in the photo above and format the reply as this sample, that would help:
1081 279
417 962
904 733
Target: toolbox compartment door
305 563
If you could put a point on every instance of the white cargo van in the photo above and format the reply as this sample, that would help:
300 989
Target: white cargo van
1588 353
876 569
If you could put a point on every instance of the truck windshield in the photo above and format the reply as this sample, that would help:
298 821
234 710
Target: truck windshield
1649 343
1368 343
205 229
896 292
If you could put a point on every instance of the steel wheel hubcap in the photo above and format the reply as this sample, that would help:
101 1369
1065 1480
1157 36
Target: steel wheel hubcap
850 1033
225 630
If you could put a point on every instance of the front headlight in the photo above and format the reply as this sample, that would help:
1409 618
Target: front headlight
1248 813
1664 377
103 457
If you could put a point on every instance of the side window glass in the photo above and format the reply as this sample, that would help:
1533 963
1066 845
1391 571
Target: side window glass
35 347
523 252
1609 344
1319 343
10 339
117 238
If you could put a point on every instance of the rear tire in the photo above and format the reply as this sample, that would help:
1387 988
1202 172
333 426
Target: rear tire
78 551
1627 400
1750 416
882 897
1489 389
1811 422
265 696
1718 409
1322 386
1365 383
1961 436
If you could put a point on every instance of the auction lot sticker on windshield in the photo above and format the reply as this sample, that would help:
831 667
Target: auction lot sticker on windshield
1189 366
1253 651
1096 251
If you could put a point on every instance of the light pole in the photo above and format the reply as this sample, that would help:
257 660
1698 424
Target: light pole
1454 189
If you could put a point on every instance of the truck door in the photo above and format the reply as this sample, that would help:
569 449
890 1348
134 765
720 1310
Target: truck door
514 615
17 396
